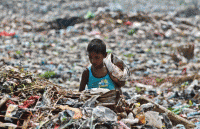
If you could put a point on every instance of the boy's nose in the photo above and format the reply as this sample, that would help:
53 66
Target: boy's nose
93 61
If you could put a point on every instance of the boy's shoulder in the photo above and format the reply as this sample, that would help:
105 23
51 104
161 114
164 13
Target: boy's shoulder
86 71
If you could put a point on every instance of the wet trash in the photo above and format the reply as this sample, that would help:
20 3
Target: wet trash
175 119
44 42
147 107
180 126
130 121
4 99
6 34
189 49
132 31
114 6
197 125
128 23
168 123
64 23
89 15
193 114
11 111
152 118
77 112
105 114
93 108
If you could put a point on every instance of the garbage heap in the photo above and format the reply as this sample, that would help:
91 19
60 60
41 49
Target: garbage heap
32 102
145 41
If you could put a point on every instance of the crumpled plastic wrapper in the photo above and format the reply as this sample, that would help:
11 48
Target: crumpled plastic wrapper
153 118
117 67
77 112
12 110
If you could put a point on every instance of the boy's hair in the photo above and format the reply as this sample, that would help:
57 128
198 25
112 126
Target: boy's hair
97 45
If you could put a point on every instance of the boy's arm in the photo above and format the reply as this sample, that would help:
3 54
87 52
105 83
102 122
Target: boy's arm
84 79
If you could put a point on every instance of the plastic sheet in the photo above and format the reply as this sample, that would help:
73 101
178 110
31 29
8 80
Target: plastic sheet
104 113
12 110
153 119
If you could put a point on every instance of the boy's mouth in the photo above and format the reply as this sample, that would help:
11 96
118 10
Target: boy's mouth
96 66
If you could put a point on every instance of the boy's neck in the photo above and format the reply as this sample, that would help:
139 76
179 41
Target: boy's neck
100 72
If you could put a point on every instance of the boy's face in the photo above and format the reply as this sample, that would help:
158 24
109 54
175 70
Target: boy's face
96 59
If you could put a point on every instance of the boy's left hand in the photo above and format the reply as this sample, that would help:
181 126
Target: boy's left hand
116 80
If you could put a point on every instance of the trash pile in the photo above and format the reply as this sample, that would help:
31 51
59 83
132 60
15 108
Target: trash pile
146 42
43 53
34 102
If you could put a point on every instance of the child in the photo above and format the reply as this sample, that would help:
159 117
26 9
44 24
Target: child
97 75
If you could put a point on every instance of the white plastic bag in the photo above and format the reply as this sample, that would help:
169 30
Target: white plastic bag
153 119
117 67
104 113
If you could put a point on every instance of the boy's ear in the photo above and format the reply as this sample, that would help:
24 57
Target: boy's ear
105 55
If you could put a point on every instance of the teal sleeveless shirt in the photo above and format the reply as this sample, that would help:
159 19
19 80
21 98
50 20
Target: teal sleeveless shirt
104 82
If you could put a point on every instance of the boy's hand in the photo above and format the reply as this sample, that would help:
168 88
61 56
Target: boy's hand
116 80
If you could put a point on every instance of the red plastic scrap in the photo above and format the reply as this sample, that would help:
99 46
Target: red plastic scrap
31 100
122 125
6 34
184 71
128 23
18 123
158 34
56 126
10 102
